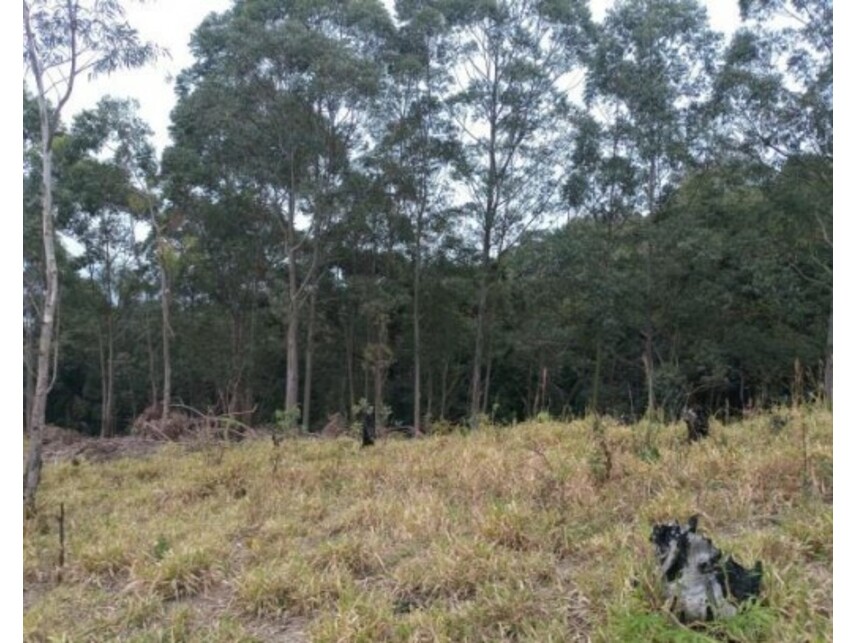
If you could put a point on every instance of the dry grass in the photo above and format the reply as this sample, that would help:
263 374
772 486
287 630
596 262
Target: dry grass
503 534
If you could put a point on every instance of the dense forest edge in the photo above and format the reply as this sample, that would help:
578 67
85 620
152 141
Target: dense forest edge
472 213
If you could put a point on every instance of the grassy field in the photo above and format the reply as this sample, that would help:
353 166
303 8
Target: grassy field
536 532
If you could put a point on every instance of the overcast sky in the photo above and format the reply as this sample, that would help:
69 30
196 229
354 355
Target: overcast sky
170 23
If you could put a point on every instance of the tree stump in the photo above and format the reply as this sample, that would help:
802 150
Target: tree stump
699 584
368 428
696 418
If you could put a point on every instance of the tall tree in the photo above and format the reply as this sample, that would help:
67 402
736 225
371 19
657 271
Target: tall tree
509 58
97 193
416 148
653 66
62 40
33 266
275 99
603 187
117 148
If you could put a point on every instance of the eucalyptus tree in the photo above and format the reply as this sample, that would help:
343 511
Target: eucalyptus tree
509 60
416 147
96 194
602 187
651 74
274 103
62 40
113 183
775 89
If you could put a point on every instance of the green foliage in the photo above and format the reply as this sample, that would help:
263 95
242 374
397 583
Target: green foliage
543 417
162 546
405 174
286 420
752 623
681 219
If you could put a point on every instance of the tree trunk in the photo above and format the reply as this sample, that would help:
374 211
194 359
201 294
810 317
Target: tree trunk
380 363
365 395
102 371
648 369
443 376
151 351
476 374
828 363
532 396
486 392
251 358
291 358
109 425
166 328
349 363
417 372
379 396
430 394
33 471
544 388
648 350
596 377
292 311
308 361
107 363
29 374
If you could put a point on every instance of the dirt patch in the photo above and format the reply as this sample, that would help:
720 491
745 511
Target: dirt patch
64 444
92 449
61 444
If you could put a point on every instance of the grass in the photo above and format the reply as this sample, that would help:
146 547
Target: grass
502 534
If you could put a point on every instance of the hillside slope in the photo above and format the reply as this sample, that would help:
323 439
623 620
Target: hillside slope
520 533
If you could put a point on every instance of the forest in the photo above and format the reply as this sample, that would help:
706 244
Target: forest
455 213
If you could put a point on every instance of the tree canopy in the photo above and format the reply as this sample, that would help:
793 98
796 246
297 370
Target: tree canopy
463 212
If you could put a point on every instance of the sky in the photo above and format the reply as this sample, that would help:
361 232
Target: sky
170 23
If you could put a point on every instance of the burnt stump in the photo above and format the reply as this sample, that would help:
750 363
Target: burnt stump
696 419
700 583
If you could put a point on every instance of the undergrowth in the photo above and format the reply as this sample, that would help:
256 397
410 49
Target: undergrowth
500 534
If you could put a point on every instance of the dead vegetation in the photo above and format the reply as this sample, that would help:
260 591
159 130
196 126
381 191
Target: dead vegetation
501 534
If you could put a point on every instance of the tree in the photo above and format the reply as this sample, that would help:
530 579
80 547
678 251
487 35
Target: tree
745 279
274 100
63 40
416 148
33 264
653 67
97 194
509 57
603 187
774 100
775 89
113 181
